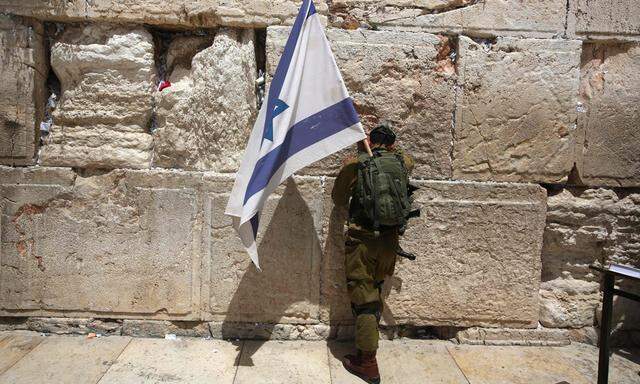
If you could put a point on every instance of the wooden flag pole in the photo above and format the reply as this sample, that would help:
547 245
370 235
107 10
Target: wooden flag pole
367 147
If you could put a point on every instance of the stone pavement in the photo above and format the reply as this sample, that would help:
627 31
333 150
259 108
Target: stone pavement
27 357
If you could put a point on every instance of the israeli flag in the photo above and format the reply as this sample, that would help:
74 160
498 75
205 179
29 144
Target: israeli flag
307 115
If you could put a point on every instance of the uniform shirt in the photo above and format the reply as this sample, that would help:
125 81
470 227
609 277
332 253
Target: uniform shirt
346 180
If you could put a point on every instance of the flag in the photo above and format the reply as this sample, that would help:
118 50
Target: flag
307 115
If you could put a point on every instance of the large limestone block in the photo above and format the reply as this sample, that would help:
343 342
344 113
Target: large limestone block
586 227
403 77
187 13
478 258
528 18
117 244
610 91
515 119
604 19
204 118
107 78
23 69
287 289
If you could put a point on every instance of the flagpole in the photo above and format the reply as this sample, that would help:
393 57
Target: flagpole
367 147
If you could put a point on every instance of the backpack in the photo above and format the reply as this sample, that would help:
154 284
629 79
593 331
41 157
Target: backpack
381 195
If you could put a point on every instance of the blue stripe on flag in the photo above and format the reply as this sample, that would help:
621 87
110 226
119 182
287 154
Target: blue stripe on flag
303 134
282 69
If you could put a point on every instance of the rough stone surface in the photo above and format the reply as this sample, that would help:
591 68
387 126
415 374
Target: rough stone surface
204 118
23 69
606 20
478 248
402 77
120 243
107 76
60 326
586 226
502 336
155 328
287 288
530 18
262 331
187 13
73 326
516 117
568 302
610 92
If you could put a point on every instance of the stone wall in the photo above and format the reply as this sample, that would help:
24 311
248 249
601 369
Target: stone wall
522 116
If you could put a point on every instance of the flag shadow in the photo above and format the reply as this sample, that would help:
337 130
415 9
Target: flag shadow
286 291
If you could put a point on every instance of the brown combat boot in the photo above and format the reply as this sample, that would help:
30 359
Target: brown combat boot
364 365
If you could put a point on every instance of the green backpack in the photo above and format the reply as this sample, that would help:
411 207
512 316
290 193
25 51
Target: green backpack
381 195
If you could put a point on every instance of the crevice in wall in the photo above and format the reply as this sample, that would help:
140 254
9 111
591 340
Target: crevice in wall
53 88
260 46
174 50
340 16
566 18
574 178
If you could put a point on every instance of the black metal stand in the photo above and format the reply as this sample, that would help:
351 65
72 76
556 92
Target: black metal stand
610 273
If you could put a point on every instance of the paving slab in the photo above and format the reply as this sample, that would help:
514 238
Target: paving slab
64 359
176 361
624 363
406 362
515 365
288 362
13 347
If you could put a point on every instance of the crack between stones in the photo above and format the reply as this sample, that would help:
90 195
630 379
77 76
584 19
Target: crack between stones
566 19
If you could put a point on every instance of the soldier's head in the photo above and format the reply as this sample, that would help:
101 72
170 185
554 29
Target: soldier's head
382 135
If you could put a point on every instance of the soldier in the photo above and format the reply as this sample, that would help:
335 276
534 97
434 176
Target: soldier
376 203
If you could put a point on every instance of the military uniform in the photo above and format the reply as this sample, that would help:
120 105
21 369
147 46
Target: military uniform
368 259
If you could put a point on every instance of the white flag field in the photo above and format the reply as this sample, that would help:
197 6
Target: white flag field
306 116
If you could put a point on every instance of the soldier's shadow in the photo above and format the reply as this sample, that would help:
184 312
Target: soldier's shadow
287 289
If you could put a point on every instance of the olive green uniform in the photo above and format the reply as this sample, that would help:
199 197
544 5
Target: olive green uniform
368 260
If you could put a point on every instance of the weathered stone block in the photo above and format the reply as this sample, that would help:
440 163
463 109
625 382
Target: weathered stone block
114 243
201 13
610 91
603 19
107 78
160 328
568 303
402 77
506 336
585 227
23 70
205 117
478 248
287 289
529 18
515 120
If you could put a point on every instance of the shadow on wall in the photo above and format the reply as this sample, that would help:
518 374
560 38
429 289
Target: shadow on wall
287 289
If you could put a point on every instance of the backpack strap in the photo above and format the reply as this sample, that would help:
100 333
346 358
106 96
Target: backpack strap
376 193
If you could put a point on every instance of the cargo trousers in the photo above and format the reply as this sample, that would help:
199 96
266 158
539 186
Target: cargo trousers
368 260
